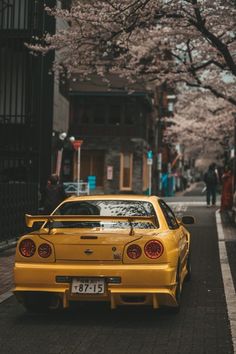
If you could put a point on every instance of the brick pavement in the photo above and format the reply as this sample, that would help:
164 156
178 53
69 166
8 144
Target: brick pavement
6 270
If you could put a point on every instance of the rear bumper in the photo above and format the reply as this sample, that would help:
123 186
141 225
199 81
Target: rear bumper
139 284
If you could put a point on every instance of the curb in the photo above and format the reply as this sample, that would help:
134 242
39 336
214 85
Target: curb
227 279
6 296
5 245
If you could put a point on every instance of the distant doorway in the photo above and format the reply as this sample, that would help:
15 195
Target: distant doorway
92 164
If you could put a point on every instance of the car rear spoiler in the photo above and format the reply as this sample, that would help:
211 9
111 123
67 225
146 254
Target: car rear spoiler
31 219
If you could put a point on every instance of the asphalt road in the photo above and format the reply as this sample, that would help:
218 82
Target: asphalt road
201 326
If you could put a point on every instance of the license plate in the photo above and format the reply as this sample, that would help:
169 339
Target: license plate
88 286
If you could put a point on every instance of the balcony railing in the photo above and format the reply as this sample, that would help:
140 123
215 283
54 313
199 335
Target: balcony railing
21 15
75 188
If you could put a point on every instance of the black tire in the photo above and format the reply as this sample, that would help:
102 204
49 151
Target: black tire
189 268
178 291
37 302
176 308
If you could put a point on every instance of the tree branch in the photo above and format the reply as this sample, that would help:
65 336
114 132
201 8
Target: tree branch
199 24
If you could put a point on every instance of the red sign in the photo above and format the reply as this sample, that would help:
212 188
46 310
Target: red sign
77 144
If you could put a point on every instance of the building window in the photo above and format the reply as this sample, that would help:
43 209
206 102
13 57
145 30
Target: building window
81 111
115 114
126 171
99 114
84 114
130 114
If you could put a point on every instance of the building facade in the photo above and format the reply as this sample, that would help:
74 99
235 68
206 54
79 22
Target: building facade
117 130
26 93
26 98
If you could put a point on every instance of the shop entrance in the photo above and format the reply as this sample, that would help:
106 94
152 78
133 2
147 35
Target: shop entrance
92 164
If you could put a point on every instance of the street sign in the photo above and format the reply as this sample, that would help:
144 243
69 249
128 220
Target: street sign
149 161
77 144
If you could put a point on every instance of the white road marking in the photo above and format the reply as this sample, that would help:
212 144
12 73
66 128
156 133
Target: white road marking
227 279
178 208
197 203
5 296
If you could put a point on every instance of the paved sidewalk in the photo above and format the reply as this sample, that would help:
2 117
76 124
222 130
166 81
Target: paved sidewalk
7 258
229 229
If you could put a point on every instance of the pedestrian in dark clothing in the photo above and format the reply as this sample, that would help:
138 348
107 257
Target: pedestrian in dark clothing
54 194
211 181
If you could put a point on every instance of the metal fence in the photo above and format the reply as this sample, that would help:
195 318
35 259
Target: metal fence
16 199
21 15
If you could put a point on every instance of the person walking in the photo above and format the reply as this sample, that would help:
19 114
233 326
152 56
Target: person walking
227 189
211 181
54 194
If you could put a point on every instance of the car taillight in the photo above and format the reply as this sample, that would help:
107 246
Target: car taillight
27 247
134 251
44 250
153 249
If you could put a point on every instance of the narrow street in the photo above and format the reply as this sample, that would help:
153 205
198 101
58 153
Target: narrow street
110 102
202 325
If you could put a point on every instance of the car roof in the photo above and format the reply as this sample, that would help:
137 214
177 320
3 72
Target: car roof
130 197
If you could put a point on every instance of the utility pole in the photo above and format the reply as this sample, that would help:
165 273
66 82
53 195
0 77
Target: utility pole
77 145
149 163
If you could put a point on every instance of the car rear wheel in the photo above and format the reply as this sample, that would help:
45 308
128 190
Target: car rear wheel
40 302
177 292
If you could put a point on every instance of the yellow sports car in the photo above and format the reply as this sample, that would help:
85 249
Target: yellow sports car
126 250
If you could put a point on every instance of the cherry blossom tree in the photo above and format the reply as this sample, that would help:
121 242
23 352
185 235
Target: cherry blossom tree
202 123
155 41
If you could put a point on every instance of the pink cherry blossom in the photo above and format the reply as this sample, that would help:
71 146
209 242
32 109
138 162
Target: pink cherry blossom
189 44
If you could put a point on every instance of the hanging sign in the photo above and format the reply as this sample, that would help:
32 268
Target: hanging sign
110 172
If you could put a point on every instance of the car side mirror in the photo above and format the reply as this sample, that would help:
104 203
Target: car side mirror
187 219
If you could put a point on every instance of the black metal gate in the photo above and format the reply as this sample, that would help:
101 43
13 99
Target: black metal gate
26 103
17 199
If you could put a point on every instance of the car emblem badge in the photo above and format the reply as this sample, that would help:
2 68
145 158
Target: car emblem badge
117 256
88 251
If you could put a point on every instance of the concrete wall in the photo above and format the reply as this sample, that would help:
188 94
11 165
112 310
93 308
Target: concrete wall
61 104
60 110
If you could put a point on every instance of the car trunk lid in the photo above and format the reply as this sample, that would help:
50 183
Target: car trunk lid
75 243
90 246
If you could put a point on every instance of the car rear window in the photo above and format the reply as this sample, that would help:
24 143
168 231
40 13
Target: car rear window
107 208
